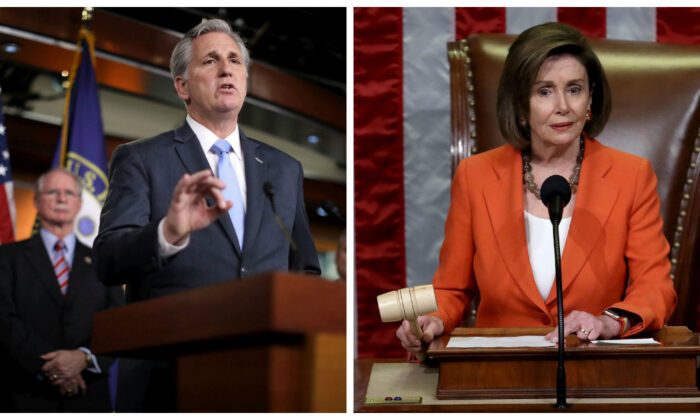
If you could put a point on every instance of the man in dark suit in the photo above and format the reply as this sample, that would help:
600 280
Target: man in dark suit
187 209
49 292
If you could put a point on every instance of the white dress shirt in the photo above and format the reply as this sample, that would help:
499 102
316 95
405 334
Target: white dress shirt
206 140
540 247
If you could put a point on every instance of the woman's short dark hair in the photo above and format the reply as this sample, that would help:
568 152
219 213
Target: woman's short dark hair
525 57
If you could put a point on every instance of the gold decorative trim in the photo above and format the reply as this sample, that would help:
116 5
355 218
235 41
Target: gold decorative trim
462 116
682 228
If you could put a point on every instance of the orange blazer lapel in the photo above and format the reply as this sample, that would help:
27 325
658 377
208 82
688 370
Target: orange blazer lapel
504 202
595 201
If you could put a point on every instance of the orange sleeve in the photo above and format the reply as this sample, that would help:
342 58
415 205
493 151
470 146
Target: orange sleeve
650 293
454 279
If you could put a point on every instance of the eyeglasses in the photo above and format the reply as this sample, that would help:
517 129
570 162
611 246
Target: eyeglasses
57 193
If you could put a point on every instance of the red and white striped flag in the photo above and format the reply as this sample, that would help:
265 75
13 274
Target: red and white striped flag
402 131
7 202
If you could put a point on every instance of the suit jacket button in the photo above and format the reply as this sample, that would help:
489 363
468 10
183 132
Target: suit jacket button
243 271
545 320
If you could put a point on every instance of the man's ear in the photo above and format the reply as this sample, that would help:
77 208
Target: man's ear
182 88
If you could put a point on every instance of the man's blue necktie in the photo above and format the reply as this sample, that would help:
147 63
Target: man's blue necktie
232 191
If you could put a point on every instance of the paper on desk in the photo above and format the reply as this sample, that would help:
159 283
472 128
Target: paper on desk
480 342
627 341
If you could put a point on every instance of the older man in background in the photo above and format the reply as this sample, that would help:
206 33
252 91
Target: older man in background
49 292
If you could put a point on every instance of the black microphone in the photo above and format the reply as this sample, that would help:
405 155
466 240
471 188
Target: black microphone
556 193
269 191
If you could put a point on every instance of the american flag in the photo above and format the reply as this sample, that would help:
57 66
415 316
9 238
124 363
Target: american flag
7 201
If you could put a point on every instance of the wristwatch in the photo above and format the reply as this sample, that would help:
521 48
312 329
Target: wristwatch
88 359
624 322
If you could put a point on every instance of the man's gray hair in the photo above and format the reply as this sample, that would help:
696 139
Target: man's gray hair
182 53
40 182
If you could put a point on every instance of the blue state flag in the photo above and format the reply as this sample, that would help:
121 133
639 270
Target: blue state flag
81 148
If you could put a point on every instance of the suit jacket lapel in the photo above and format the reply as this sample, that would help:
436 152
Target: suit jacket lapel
190 152
41 263
255 171
82 263
504 201
595 200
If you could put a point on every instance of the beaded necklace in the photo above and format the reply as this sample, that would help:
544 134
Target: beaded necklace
529 179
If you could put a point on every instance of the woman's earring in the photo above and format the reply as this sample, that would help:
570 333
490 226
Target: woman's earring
523 123
588 115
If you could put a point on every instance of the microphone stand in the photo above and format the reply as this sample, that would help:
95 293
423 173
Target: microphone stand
561 373
269 191
555 194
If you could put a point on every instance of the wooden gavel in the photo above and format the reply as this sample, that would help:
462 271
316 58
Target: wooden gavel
408 303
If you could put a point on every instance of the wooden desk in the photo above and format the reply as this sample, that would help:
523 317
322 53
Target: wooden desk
677 343
592 371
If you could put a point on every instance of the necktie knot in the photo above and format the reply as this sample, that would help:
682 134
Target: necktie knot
221 147
60 246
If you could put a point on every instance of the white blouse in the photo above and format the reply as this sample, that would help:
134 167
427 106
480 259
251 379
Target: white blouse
540 247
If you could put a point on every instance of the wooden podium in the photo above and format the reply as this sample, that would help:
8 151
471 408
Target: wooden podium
274 342
669 369
600 378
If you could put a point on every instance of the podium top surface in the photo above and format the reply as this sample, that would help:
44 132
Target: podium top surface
273 303
673 340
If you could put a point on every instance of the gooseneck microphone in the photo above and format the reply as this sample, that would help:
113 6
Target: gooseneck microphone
556 193
269 191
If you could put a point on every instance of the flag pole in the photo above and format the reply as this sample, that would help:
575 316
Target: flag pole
86 18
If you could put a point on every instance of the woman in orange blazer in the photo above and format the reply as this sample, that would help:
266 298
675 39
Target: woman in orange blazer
615 270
